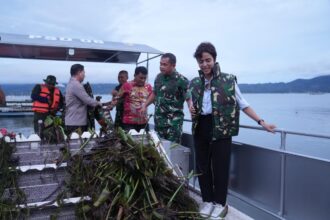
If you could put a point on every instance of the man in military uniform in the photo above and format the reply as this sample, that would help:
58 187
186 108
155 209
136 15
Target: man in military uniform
122 79
169 93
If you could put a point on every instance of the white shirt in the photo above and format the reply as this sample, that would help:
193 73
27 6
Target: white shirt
207 104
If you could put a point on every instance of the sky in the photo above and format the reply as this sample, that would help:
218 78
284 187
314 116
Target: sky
259 41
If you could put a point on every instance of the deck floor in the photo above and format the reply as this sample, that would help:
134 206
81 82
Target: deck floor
233 213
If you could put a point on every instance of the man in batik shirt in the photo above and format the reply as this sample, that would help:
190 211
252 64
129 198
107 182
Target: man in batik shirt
169 93
134 95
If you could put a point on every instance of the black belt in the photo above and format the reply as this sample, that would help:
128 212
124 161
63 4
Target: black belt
205 116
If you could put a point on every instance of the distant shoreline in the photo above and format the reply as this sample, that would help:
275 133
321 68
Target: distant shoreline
317 85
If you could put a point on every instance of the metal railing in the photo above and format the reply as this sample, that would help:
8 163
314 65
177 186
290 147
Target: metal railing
284 134
283 148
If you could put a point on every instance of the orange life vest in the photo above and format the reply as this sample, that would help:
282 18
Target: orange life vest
45 107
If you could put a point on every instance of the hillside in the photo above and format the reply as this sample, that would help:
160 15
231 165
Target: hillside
319 84
26 89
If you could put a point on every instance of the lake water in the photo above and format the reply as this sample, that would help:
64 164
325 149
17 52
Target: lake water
304 113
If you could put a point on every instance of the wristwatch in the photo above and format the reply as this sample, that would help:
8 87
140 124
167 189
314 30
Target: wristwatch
260 120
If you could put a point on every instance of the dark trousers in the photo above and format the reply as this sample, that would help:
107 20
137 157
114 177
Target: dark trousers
137 127
69 129
212 162
39 116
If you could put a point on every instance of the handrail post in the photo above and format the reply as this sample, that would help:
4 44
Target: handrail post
148 62
283 140
283 168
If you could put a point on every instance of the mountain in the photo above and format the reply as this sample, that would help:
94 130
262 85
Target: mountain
26 89
17 89
319 84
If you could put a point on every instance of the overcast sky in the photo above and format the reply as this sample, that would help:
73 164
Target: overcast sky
258 40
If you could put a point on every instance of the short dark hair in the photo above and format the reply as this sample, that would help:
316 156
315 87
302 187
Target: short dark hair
205 47
123 72
76 68
170 56
140 69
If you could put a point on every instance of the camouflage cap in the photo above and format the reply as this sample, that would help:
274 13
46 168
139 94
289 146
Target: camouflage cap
51 80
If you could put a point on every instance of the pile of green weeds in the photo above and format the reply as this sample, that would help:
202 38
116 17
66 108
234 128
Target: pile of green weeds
127 179
10 193
53 131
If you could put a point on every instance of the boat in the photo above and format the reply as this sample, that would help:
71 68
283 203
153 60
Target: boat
265 183
67 49
277 184
16 109
42 180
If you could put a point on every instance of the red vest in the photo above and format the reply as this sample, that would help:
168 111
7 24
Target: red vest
45 107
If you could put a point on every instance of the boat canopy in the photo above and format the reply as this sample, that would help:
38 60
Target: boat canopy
70 49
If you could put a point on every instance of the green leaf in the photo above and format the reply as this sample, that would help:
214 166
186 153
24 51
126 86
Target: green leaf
102 197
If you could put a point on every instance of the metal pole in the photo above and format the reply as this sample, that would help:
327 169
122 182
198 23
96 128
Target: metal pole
283 140
148 62
283 168
39 127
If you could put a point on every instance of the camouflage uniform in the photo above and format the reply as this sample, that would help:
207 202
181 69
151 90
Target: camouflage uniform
225 109
170 93
119 113
119 109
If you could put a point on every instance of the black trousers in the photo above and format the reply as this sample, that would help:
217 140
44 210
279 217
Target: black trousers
39 116
69 129
212 162
137 127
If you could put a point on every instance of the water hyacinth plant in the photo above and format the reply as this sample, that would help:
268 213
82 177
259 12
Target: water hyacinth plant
10 193
127 179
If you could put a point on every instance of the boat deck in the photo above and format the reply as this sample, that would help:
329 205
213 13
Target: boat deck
233 213
42 180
